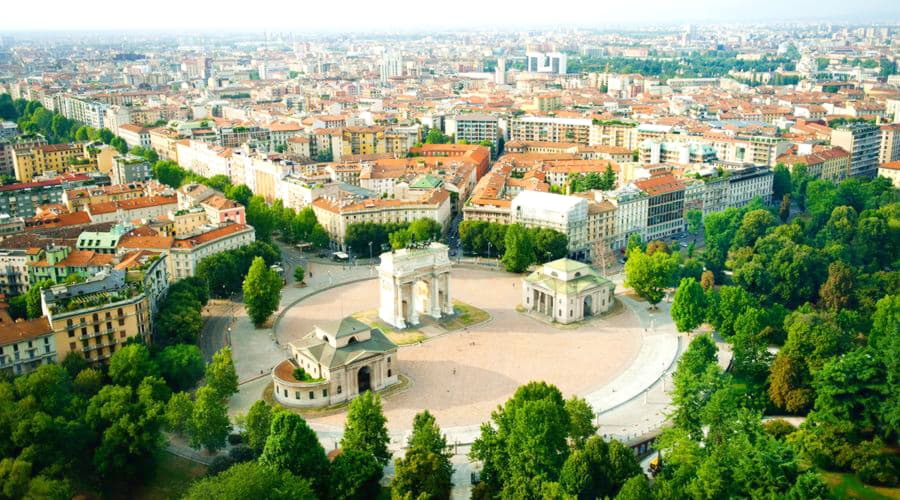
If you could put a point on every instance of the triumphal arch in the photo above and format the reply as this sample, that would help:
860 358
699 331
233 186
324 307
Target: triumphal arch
414 281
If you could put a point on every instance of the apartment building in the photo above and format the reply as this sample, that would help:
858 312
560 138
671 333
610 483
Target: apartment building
632 206
748 183
823 162
59 158
186 253
665 205
654 152
134 135
129 169
13 272
20 143
56 263
863 142
361 141
890 143
614 133
25 345
220 209
77 199
147 208
203 158
890 170
552 129
336 214
474 128
566 214
22 199
97 317
164 142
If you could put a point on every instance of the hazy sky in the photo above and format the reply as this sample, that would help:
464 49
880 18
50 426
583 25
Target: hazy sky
299 15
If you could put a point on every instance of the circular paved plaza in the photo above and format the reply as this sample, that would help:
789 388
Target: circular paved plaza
462 376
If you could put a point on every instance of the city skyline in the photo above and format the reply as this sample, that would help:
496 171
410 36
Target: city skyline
406 16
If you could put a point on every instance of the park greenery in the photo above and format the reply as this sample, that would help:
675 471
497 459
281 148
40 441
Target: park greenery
811 310
71 427
694 65
224 272
535 446
362 238
517 246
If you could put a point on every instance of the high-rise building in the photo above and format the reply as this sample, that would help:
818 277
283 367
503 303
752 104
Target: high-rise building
500 71
391 66
863 141
546 62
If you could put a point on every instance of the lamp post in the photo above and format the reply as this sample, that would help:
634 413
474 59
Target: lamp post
370 252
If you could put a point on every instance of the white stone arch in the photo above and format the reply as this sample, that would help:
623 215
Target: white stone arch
414 282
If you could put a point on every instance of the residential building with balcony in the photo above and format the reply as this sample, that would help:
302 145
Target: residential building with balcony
56 263
13 272
59 158
863 142
665 205
97 317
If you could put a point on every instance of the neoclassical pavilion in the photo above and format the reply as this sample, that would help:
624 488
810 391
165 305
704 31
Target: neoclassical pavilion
566 291
342 360
412 282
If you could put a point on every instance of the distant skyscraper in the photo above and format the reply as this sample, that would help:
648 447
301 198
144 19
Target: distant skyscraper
391 66
500 71
546 62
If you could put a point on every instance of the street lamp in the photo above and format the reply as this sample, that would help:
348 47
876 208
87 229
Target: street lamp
370 252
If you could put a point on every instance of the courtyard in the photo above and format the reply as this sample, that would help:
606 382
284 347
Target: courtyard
464 375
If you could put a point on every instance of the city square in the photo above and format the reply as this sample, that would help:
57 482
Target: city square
463 375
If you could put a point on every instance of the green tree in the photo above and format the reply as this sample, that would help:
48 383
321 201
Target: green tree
649 275
754 226
636 488
221 375
689 305
525 445
781 182
784 210
74 362
33 298
293 447
519 249
366 428
837 291
179 412
130 364
435 136
694 220
88 382
251 480
299 274
240 193
426 468
262 291
209 425
581 418
257 425
181 366
127 423
319 237
355 475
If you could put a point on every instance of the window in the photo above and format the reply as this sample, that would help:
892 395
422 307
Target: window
312 395
339 389
389 372
285 393
122 334
324 393
297 395
72 346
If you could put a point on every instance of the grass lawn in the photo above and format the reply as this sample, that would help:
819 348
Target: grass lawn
846 485
466 315
171 478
